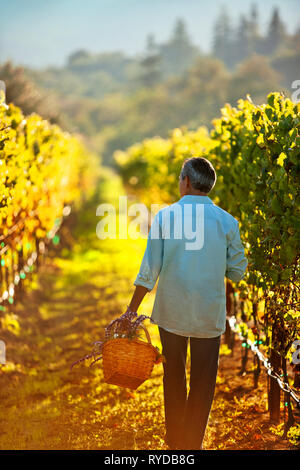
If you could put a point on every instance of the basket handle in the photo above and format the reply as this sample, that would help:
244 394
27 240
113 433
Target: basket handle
159 357
146 333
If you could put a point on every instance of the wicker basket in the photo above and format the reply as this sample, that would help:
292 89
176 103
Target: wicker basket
129 362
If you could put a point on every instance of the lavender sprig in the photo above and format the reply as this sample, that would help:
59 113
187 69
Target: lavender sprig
96 351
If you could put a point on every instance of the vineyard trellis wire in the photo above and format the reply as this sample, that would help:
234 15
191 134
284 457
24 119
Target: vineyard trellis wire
19 274
285 387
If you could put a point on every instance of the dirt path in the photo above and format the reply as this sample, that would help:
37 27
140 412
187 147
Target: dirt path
44 405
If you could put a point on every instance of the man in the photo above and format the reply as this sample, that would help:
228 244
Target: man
190 301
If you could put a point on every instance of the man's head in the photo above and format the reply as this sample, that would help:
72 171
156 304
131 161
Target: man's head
197 176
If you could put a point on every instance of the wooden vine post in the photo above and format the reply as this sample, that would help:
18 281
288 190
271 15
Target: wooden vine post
274 388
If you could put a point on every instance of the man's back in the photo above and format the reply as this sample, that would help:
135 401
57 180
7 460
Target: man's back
192 245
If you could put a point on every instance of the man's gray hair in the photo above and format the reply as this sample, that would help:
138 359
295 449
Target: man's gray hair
201 173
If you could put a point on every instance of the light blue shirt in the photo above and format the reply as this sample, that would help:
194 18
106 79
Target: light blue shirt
192 245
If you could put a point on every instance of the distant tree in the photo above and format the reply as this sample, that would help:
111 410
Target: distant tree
253 23
234 45
255 38
180 34
256 77
112 66
288 62
178 53
242 44
150 63
245 38
276 33
223 39
202 91
22 92
288 66
78 58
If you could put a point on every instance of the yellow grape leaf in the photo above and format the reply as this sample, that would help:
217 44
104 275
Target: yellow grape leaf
281 159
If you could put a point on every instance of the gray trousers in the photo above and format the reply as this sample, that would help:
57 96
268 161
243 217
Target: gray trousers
186 417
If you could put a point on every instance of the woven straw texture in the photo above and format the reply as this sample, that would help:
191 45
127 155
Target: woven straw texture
128 363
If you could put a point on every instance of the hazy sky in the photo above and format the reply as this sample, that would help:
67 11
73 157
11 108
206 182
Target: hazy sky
44 32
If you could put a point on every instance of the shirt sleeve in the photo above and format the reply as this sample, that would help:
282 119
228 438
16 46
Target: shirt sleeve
153 257
236 261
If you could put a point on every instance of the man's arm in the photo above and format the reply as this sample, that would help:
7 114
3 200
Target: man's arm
150 266
138 295
236 261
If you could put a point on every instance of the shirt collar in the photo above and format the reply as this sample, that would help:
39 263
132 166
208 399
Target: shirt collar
196 198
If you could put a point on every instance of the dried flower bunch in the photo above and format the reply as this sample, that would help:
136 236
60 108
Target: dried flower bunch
125 326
